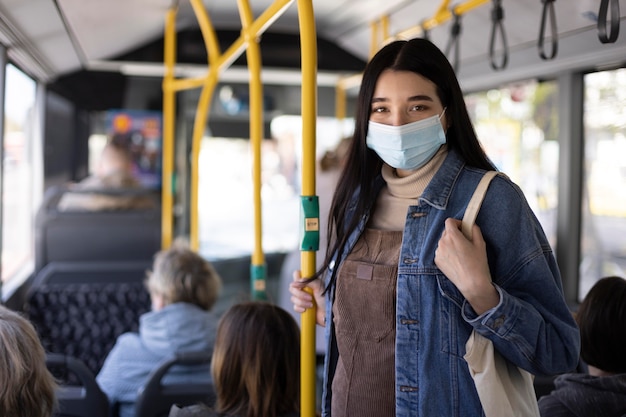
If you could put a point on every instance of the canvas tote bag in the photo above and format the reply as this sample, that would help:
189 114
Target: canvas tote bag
504 389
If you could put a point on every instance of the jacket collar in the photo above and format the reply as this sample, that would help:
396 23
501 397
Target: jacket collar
438 191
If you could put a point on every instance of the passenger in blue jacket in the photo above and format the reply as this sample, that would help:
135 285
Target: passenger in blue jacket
183 288
403 287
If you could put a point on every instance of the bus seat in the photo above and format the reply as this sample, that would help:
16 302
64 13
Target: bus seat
83 400
119 235
156 398
80 312
92 272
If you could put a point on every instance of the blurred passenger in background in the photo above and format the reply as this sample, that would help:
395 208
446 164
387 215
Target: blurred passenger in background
27 388
602 392
114 172
255 365
183 288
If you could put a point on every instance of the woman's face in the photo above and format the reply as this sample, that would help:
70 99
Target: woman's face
402 97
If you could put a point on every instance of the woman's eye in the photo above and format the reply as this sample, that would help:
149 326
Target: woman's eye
417 107
378 110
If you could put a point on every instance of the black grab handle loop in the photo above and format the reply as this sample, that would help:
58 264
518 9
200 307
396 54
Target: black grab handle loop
602 21
548 8
497 16
453 41
425 32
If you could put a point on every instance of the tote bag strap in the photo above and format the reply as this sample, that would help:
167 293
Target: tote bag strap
474 204
504 389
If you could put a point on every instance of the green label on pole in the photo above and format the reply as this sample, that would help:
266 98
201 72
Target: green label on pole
258 275
310 217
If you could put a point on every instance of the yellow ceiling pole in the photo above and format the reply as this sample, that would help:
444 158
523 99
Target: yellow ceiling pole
442 15
258 271
309 200
169 113
217 63
374 38
340 101
202 111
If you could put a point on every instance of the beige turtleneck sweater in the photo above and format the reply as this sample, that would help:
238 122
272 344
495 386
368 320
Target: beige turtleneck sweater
401 192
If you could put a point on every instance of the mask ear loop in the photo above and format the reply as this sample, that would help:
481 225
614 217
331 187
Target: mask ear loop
447 124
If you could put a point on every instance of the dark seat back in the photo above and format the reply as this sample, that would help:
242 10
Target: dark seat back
118 235
155 398
79 309
83 400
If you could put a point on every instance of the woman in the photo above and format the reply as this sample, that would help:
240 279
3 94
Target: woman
602 392
404 288
27 388
183 289
255 365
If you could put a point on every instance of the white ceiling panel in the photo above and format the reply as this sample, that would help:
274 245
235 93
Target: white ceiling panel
63 34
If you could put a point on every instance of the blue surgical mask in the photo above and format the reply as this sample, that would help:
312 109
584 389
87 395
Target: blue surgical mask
408 146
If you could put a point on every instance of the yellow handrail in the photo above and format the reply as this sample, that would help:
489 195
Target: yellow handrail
442 15
217 63
253 54
169 110
308 45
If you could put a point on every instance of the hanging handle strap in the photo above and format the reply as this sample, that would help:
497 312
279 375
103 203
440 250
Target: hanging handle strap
425 31
548 8
497 16
602 20
453 42
474 204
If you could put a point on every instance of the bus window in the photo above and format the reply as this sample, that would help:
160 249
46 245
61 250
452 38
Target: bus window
17 199
603 245
518 126
226 202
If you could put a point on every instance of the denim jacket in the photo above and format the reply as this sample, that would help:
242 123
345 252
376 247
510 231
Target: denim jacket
531 326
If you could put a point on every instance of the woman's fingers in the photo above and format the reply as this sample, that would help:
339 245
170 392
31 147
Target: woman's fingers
303 300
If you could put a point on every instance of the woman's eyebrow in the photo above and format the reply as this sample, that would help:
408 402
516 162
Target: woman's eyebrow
420 97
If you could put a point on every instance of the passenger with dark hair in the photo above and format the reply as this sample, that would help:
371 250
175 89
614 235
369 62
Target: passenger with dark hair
602 392
403 288
27 388
114 172
255 364
183 288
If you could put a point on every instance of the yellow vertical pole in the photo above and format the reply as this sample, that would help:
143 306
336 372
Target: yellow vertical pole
374 38
253 54
340 101
169 110
202 111
308 46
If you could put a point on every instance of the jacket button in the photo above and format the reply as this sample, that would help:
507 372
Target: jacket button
498 322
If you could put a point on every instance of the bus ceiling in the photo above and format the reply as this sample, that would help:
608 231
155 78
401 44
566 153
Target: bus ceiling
51 40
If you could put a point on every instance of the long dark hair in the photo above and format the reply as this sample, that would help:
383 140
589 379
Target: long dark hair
602 321
256 361
363 165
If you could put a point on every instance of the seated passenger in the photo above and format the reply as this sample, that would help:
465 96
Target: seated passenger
255 365
27 388
602 392
183 288
114 171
